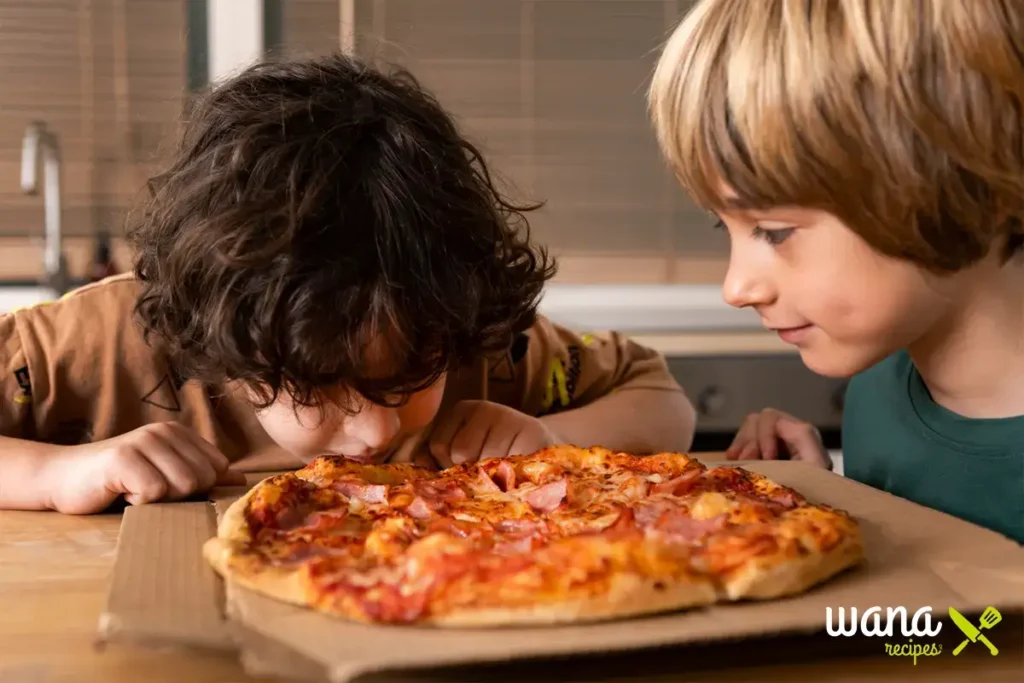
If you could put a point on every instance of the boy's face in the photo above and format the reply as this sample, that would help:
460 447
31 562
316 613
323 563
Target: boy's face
367 432
841 303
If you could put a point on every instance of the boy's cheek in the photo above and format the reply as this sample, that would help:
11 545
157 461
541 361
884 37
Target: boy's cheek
422 408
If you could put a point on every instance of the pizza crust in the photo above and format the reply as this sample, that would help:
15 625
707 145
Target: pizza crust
232 525
756 581
227 559
227 554
630 596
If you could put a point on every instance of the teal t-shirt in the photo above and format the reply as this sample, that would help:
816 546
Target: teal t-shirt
896 438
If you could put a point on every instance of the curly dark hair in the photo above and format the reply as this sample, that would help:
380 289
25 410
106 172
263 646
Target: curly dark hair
318 206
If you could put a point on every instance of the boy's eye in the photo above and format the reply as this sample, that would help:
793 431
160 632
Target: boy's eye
773 237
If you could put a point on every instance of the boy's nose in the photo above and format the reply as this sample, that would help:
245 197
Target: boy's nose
375 426
744 287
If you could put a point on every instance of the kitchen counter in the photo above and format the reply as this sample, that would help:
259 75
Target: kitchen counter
684 343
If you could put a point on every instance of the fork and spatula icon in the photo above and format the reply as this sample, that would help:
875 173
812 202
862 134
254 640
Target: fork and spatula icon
989 618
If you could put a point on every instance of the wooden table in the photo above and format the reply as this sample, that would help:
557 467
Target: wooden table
54 573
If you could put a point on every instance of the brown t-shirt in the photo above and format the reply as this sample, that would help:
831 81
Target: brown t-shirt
78 370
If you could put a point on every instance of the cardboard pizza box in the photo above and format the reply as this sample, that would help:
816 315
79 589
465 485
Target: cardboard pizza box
163 594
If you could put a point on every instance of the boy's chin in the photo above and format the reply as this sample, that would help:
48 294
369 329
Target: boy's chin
840 363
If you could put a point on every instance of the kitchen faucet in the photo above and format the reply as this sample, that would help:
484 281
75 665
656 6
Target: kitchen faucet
40 144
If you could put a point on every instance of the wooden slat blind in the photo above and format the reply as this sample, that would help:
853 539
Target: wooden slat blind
553 90
108 77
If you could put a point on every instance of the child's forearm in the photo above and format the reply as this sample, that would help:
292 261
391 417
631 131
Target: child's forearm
631 420
24 484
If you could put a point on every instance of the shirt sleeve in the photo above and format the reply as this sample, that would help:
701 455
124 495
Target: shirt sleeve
549 369
15 385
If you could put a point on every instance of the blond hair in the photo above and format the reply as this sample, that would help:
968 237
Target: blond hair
901 117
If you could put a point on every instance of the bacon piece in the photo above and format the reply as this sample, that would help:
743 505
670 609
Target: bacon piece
368 493
438 489
549 496
678 486
505 477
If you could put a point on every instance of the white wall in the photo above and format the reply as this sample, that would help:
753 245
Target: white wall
235 36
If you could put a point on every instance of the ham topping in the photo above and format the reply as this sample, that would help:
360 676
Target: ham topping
486 484
368 493
547 497
678 486
674 523
784 498
419 509
434 490
505 476
518 526
514 546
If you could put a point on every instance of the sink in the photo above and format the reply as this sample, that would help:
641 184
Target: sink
14 295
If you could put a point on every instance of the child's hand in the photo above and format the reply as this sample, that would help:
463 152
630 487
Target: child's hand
475 430
165 461
773 434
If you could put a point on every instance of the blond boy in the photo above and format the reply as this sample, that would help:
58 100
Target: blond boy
867 160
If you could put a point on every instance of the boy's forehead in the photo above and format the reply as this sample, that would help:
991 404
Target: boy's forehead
732 202
380 356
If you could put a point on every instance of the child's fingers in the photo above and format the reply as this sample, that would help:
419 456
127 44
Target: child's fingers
767 436
468 443
140 481
743 437
750 452
803 441
231 478
444 432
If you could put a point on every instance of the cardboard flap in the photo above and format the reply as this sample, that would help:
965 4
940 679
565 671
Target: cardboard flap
162 591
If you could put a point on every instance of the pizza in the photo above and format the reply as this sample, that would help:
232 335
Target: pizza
563 535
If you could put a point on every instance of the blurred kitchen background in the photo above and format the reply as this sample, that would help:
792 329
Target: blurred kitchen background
91 92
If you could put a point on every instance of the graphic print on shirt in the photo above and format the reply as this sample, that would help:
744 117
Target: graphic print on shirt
561 383
25 384
504 370
164 395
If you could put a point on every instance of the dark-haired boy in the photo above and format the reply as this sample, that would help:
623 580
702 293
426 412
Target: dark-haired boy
326 267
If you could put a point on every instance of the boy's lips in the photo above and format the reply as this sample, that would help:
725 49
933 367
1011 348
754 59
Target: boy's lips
793 335
362 458
366 459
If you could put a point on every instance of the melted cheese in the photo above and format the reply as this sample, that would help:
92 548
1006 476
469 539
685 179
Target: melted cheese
711 504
